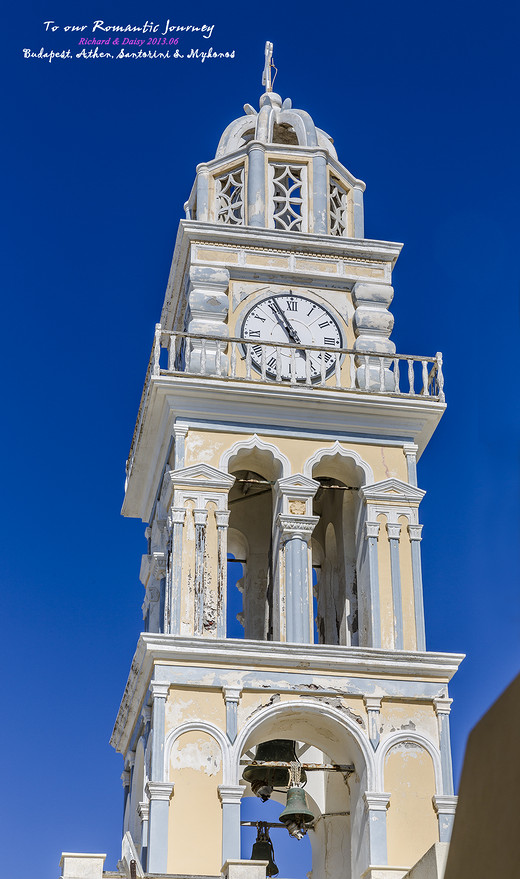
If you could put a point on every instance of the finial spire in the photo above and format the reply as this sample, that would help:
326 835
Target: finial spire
266 77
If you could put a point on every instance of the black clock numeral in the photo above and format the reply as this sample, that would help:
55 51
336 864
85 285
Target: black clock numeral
325 323
329 341
312 309
292 305
253 334
259 317
271 363
257 350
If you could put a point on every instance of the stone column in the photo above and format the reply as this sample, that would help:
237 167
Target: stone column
143 810
232 698
394 532
371 536
160 794
442 707
125 778
296 533
373 707
230 796
445 807
320 195
180 431
202 193
358 211
158 790
376 805
201 518
172 610
208 308
256 186
415 542
410 452
372 325
222 519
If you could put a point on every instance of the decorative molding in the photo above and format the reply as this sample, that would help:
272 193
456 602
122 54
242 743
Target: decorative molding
392 490
445 805
394 530
159 689
200 476
377 802
338 449
372 703
200 516
296 486
158 565
143 810
255 442
232 694
442 705
159 790
415 532
177 515
125 777
296 526
222 518
230 793
372 529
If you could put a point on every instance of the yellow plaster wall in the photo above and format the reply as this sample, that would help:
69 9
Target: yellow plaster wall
405 564
385 586
411 821
185 704
195 814
413 716
208 447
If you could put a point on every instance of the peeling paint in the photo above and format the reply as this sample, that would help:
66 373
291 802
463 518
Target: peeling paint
200 755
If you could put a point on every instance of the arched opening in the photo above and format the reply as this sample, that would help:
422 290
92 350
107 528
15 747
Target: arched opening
334 797
250 537
335 549
284 133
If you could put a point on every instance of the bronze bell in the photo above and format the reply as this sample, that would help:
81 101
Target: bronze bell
296 813
264 778
263 850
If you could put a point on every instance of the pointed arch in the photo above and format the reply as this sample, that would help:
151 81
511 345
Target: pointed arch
338 449
255 442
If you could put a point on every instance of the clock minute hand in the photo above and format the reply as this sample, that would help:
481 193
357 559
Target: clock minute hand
285 323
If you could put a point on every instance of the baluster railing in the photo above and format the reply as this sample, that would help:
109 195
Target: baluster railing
396 375
280 362
411 377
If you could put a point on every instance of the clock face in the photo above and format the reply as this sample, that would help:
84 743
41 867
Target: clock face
293 320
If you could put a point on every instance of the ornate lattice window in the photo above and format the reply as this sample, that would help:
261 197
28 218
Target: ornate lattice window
338 207
230 197
287 185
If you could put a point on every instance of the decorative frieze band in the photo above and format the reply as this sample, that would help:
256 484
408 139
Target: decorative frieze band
297 526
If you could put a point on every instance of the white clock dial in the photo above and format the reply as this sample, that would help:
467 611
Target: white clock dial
294 320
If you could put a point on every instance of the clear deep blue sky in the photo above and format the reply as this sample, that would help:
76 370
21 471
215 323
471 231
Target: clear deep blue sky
98 158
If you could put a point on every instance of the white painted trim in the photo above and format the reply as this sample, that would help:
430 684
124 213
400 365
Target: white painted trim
337 449
305 706
392 490
211 730
255 442
417 738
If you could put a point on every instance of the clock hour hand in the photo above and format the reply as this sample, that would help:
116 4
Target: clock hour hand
293 335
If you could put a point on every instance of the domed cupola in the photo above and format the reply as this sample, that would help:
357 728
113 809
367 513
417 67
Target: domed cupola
275 169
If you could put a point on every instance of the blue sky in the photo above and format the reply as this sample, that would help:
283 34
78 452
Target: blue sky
98 158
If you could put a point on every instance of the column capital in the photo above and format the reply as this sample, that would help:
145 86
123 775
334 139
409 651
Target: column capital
222 518
442 705
159 790
181 430
415 532
177 515
376 801
393 530
410 448
372 703
444 805
297 526
232 694
143 810
200 516
158 565
230 793
125 777
372 529
146 714
159 689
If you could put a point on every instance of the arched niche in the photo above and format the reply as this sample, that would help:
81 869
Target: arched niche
409 778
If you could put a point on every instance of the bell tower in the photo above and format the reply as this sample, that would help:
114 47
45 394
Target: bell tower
278 433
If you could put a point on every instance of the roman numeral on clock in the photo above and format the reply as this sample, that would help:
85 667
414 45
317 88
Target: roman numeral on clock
325 323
